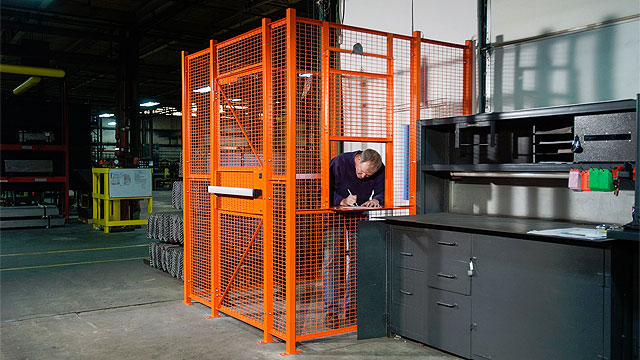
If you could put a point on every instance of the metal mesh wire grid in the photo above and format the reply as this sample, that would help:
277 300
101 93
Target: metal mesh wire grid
199 238
441 81
198 119
283 97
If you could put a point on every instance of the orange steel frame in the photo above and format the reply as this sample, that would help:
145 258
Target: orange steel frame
265 110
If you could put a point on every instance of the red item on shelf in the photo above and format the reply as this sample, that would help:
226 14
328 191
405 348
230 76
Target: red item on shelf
584 180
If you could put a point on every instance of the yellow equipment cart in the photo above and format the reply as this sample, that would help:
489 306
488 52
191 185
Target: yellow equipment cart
110 187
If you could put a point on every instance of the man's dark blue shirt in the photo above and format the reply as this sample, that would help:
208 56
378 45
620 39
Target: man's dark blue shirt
343 179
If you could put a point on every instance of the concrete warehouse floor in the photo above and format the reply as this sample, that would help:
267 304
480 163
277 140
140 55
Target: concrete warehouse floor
76 293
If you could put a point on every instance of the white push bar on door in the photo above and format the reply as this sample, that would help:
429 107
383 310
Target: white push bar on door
234 191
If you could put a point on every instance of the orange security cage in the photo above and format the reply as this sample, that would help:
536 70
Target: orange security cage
263 114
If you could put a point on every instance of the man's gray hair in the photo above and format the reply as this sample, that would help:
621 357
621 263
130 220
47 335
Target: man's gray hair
370 155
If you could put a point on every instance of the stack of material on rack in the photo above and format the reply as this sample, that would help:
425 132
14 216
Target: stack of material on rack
167 257
176 195
30 216
168 227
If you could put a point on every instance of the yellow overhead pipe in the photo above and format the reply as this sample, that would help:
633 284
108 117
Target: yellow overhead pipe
31 70
26 85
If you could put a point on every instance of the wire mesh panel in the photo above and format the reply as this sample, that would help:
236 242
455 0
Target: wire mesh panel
241 277
278 184
200 241
239 121
279 259
197 167
359 83
326 264
198 119
308 121
402 130
441 80
286 96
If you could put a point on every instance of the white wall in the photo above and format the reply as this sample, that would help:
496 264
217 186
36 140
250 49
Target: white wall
541 202
451 21
521 19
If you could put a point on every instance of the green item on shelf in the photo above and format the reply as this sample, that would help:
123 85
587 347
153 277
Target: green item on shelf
594 179
606 180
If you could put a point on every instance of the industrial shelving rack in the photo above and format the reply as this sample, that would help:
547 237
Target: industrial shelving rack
61 148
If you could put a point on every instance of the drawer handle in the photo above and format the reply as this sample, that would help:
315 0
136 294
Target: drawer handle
406 253
446 243
441 303
405 292
448 276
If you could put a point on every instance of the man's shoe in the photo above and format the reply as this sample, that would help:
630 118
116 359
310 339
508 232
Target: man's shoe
331 320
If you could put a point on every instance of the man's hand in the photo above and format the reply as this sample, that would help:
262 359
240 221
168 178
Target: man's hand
372 203
349 200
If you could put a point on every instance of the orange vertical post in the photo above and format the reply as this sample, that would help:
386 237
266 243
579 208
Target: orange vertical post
290 207
267 234
467 69
325 147
185 181
214 125
388 176
414 117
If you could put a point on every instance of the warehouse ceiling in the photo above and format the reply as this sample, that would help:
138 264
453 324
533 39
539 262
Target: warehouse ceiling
90 41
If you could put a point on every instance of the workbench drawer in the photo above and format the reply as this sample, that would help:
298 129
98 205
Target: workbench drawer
408 302
449 244
449 322
451 275
409 248
408 286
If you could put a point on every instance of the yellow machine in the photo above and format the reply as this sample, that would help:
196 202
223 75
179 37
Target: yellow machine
110 187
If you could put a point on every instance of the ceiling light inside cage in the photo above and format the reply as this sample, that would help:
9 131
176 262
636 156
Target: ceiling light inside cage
357 48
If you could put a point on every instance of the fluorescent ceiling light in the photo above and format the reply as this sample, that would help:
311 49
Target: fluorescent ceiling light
307 75
149 104
203 90
106 115
112 123
235 100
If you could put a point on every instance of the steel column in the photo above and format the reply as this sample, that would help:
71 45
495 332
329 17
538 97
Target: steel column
290 206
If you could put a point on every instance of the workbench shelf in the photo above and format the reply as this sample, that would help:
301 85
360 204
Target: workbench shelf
525 144
615 106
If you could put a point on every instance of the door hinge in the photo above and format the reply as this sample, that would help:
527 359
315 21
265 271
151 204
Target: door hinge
473 326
